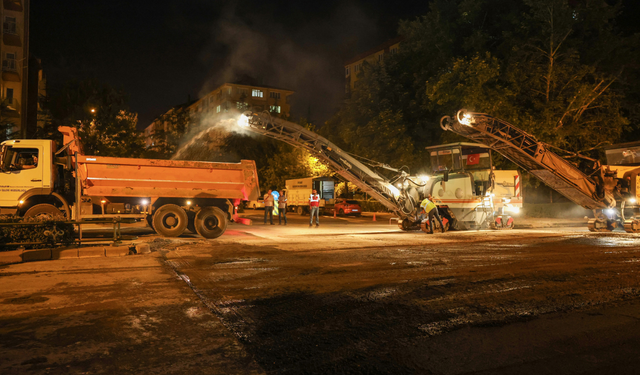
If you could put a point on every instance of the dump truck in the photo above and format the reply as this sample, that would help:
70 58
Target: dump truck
36 179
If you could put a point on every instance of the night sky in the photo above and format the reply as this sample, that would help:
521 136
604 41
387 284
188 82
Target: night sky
160 52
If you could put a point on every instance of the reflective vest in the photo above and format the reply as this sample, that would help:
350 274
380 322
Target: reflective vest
427 205
314 200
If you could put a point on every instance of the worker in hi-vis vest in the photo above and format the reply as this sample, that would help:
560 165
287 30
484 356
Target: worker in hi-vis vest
314 207
431 210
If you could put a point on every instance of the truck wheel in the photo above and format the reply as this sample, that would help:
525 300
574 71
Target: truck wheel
170 220
43 210
210 222
300 210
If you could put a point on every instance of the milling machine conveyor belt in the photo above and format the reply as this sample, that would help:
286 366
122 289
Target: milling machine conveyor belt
528 153
340 161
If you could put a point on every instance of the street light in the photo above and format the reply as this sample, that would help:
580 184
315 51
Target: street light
93 110
243 121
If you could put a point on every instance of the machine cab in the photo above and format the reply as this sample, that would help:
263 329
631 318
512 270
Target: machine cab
463 159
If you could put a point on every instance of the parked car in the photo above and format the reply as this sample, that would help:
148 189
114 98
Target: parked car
347 207
255 204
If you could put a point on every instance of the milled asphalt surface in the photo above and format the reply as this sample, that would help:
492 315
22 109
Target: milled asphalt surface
351 296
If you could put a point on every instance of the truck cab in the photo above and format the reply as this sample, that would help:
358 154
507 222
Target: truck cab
27 170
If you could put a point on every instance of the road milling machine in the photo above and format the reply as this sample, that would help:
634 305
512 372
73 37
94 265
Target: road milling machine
464 188
611 190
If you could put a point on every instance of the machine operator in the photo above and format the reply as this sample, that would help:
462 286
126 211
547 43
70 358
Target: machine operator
429 208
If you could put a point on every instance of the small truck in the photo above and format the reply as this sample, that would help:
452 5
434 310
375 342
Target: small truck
36 179
299 190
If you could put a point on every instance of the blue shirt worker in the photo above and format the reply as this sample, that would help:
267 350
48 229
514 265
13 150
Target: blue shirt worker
314 207
282 208
431 210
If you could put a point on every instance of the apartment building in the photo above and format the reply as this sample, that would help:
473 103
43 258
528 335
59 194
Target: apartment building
223 101
14 49
375 55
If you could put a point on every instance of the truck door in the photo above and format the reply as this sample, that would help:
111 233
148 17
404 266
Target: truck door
22 170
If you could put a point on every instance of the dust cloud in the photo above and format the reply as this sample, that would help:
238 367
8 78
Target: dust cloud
307 58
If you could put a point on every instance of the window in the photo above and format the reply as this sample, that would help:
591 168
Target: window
242 105
380 56
9 96
346 71
274 108
393 50
357 68
9 63
9 26
218 109
257 93
20 158
275 95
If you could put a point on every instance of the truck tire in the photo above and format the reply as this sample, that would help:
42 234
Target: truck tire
170 220
211 222
300 210
43 210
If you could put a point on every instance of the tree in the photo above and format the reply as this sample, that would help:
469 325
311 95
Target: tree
168 131
276 161
558 69
7 120
102 116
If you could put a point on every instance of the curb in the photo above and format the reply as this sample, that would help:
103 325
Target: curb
19 256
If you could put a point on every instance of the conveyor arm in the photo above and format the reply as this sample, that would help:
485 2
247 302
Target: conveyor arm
530 154
345 165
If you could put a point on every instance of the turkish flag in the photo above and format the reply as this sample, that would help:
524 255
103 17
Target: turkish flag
473 159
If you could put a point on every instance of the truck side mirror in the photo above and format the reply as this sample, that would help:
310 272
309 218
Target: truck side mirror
445 178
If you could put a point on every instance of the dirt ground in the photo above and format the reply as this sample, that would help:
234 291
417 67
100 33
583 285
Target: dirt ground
350 297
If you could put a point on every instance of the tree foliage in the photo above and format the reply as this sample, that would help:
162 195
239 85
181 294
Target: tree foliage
276 161
102 116
169 128
559 69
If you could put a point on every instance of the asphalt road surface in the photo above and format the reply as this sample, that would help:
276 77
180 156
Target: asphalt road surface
350 297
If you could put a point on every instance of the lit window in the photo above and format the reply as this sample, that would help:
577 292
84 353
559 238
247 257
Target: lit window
346 71
218 109
257 93
275 95
274 108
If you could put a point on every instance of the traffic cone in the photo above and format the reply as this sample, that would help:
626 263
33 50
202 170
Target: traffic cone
374 216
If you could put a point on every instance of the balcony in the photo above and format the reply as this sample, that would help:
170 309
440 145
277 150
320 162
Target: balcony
11 40
12 106
15 5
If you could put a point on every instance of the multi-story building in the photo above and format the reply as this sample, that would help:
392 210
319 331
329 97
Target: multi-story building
14 50
217 104
373 56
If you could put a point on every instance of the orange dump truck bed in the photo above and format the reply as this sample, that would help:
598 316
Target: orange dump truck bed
125 177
